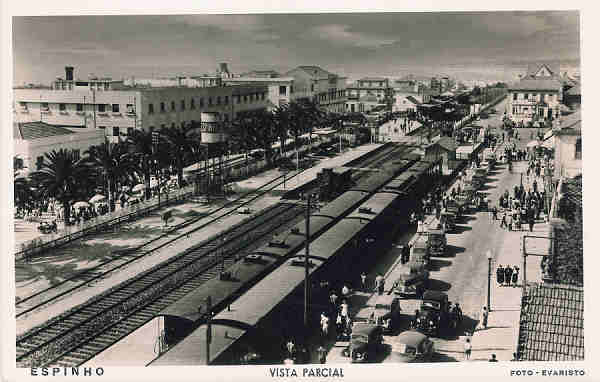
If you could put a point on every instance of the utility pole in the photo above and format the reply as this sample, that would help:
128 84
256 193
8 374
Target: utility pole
208 328
306 264
155 144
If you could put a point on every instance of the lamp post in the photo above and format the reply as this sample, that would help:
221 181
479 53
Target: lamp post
488 254
155 145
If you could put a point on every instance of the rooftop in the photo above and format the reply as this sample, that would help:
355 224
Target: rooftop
551 324
533 69
315 71
537 84
35 130
373 79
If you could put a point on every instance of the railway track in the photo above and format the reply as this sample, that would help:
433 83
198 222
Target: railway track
80 333
87 330
85 277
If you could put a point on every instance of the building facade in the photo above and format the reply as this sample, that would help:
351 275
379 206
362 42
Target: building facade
568 146
328 90
32 140
536 97
369 87
120 110
280 89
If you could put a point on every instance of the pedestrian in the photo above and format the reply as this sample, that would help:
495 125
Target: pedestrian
291 348
503 222
345 291
363 281
344 309
325 326
500 275
508 275
495 213
531 222
493 359
468 349
484 317
515 357
339 324
515 276
333 298
322 354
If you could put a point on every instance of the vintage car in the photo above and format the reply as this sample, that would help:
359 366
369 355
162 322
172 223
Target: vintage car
419 252
436 241
434 315
412 346
413 282
365 342
453 208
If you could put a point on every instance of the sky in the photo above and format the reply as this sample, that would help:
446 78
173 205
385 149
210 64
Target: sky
482 45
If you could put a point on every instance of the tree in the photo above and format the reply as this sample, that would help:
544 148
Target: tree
257 130
63 176
141 153
180 141
114 163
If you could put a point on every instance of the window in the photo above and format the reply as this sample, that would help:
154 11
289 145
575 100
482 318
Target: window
514 96
514 110
183 125
150 108
130 131
526 95
23 105
201 102
192 104
578 149
282 90
182 104
76 154
115 107
245 98
102 127
39 161
162 107
102 108
79 107
173 125
262 96
210 101
115 131
239 98
226 117
218 100
62 107
226 100
312 87
45 106
130 109
172 105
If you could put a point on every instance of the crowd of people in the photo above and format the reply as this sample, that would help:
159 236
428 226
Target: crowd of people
507 276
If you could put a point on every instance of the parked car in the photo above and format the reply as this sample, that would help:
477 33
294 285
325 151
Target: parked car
365 342
412 346
387 312
419 252
436 241
413 282
434 315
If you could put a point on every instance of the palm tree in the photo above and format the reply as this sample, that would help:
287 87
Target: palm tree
63 176
141 153
257 130
113 162
180 141
281 119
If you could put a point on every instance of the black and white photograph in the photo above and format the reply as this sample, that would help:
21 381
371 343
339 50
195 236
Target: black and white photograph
297 191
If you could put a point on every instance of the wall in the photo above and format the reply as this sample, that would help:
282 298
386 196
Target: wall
29 150
565 164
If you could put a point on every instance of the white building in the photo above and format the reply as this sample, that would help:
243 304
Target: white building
404 102
280 89
328 90
32 140
118 110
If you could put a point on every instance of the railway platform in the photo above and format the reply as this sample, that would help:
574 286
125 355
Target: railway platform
36 275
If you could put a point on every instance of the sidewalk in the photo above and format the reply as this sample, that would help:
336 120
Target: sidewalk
502 332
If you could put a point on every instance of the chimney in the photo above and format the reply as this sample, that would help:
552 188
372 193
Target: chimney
223 70
69 73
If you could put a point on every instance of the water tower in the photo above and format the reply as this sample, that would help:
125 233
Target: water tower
214 137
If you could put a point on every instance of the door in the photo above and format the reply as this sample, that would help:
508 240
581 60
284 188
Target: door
549 112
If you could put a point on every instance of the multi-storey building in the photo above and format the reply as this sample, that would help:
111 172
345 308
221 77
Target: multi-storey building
280 89
536 96
361 93
119 110
328 90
